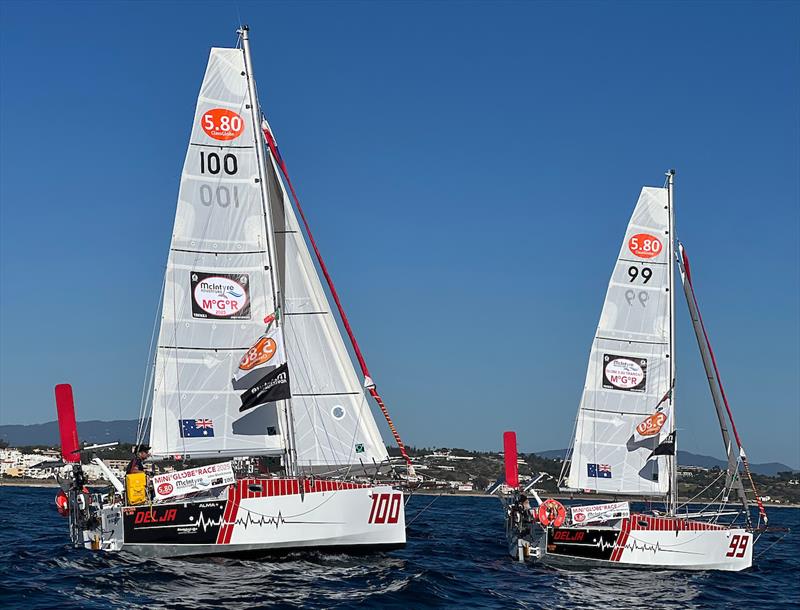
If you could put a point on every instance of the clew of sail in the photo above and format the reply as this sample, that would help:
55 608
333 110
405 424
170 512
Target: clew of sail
626 408
218 285
333 424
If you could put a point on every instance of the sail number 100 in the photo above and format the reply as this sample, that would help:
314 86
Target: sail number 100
212 164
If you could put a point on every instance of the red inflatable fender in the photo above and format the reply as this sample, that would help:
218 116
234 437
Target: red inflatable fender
62 504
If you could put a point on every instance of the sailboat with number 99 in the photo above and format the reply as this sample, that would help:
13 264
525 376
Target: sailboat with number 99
249 363
625 441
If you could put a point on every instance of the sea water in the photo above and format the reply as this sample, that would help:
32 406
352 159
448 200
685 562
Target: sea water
455 558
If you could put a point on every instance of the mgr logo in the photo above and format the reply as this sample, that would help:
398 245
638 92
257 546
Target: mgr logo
220 296
628 374
385 508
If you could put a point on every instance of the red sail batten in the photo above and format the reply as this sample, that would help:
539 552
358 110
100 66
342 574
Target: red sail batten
373 392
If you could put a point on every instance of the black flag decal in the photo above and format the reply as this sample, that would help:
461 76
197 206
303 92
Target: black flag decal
272 386
667 447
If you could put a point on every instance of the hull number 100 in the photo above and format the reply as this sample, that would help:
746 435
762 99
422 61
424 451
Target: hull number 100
385 508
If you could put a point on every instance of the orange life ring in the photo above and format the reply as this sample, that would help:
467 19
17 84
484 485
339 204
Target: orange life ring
552 512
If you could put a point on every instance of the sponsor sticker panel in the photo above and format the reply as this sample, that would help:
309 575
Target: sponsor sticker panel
220 296
624 373
222 124
645 245
651 425
600 512
171 484
184 523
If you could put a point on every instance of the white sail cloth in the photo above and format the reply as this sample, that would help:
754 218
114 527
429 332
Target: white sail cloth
216 290
629 369
332 420
220 284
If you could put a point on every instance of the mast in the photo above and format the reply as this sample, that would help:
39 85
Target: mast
255 113
672 460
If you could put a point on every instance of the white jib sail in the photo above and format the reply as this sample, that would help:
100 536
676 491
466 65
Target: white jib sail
332 420
629 369
217 287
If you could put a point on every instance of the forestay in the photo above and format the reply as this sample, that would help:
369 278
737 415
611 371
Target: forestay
628 380
217 288
333 423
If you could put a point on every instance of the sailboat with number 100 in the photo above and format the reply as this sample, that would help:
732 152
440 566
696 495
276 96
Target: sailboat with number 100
249 361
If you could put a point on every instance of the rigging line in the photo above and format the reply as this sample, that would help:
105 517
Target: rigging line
423 509
151 363
770 546
699 493
372 390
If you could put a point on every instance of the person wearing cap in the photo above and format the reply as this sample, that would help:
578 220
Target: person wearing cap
137 463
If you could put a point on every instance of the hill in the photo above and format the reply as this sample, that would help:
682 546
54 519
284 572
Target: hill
93 431
685 458
124 431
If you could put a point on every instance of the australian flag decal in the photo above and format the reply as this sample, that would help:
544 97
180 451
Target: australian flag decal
196 428
598 471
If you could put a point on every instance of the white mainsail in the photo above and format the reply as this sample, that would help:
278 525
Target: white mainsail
218 287
333 423
629 374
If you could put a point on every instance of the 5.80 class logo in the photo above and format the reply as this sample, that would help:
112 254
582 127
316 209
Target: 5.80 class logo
652 425
219 296
222 124
644 245
260 353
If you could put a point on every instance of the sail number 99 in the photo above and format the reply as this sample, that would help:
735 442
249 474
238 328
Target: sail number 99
646 273
212 164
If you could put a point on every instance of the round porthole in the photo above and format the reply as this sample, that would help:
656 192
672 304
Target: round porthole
338 412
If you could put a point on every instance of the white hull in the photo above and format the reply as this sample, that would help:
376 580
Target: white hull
638 542
258 515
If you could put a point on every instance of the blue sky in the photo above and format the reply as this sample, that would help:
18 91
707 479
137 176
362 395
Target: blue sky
468 169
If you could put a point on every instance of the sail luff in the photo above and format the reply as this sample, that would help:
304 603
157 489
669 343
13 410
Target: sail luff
255 111
672 461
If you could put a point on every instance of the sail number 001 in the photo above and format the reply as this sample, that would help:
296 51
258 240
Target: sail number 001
221 194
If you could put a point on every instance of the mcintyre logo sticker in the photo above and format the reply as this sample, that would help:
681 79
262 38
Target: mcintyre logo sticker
624 373
222 124
217 296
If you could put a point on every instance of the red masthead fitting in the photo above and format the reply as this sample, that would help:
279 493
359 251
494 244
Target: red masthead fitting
510 452
65 405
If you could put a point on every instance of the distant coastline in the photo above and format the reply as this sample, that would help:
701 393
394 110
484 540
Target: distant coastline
425 492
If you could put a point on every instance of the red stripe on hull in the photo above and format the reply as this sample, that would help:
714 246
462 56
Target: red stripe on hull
622 539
